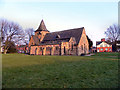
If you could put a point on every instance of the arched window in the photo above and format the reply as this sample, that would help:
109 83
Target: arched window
72 46
47 48
64 50
57 48
36 51
81 47
40 48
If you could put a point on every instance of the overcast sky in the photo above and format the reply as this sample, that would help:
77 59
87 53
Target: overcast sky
96 17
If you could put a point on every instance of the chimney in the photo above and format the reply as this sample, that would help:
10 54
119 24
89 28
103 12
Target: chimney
103 39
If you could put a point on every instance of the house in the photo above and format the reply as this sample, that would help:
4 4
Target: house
22 48
103 46
66 42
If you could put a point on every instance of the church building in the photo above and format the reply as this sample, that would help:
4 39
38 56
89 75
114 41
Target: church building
66 42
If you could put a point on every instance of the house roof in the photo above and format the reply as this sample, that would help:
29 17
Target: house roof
42 27
99 42
65 34
46 44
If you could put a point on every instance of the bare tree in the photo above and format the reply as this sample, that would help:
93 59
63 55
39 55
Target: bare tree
113 34
10 31
29 32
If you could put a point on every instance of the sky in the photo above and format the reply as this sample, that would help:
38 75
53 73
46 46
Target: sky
94 16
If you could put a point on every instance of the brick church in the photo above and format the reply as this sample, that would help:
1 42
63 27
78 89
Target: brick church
66 42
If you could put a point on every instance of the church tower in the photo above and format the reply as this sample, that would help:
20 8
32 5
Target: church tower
41 31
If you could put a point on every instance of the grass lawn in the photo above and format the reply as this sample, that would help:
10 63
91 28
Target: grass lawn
25 71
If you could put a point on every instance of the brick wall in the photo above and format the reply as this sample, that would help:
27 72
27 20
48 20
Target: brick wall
83 46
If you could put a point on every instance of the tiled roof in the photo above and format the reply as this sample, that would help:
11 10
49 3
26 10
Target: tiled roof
63 35
99 42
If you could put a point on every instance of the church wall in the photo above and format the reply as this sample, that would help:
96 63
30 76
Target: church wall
48 51
31 42
33 49
41 34
56 49
65 48
73 51
72 47
40 50
83 46
45 50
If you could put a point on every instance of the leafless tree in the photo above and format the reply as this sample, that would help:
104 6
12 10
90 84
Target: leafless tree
113 34
29 32
10 31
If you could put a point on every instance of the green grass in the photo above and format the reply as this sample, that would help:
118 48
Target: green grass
24 71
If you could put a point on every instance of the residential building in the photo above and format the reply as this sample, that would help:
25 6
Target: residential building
103 46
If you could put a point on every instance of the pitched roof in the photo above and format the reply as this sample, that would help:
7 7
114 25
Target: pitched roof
66 34
99 42
42 27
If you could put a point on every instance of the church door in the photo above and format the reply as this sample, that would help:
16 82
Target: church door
84 49
64 51
36 51
50 50
42 51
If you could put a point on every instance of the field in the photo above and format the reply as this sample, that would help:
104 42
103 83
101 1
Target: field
25 71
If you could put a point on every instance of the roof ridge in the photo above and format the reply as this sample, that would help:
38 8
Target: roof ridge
68 29
76 33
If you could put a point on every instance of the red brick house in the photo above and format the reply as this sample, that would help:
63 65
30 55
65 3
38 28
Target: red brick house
22 49
66 42
103 46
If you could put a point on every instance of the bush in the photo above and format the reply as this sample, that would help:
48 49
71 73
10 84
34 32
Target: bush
82 54
12 48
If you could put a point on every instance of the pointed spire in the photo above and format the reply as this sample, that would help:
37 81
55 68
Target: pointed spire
42 26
